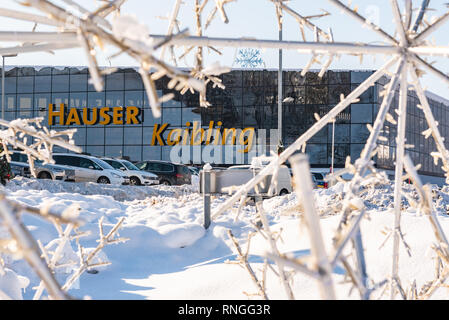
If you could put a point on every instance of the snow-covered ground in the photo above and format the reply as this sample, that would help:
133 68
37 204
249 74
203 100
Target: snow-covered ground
171 256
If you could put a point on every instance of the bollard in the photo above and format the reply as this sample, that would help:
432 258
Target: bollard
206 194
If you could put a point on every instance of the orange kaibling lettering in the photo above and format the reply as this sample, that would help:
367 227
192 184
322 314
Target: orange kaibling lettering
106 117
157 134
176 140
195 131
249 141
225 135
52 114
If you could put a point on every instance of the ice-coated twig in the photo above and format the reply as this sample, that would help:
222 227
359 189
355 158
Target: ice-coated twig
304 190
243 260
86 261
399 165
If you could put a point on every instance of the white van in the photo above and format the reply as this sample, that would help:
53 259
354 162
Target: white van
243 173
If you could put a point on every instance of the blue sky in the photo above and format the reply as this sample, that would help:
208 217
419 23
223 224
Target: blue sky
251 18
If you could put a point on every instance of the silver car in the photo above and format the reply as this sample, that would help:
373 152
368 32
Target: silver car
136 176
90 169
20 167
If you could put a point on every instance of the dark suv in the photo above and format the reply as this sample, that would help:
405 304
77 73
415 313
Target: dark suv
167 172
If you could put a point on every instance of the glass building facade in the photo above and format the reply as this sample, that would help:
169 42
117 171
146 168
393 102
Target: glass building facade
249 100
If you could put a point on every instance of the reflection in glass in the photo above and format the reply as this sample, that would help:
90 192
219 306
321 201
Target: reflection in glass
25 101
115 81
95 136
60 83
25 84
42 84
78 82
114 136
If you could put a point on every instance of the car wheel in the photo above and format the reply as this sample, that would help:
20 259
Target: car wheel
134 181
103 180
283 192
44 175
166 183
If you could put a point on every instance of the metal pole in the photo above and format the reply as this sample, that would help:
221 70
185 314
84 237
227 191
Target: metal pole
206 195
424 6
333 139
280 89
3 88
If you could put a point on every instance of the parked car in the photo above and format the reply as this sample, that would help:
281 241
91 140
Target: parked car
20 166
135 175
168 173
284 181
90 169
319 177
194 170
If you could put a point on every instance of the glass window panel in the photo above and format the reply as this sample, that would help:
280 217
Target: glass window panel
312 78
134 98
114 99
253 116
166 153
114 136
253 96
25 84
293 78
10 84
25 101
10 102
78 82
233 96
80 136
59 98
367 96
95 136
341 133
113 151
96 151
252 78
25 114
339 77
172 116
317 94
115 81
233 78
151 152
148 119
356 150
191 114
133 135
298 93
360 76
147 135
10 115
176 102
60 70
317 153
79 70
45 71
341 151
90 86
133 152
362 113
41 102
270 78
133 81
96 99
11 72
270 114
78 100
320 136
42 84
231 117
60 83
359 133
335 91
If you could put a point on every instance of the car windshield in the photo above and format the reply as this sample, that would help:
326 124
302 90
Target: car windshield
103 164
129 165
115 164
